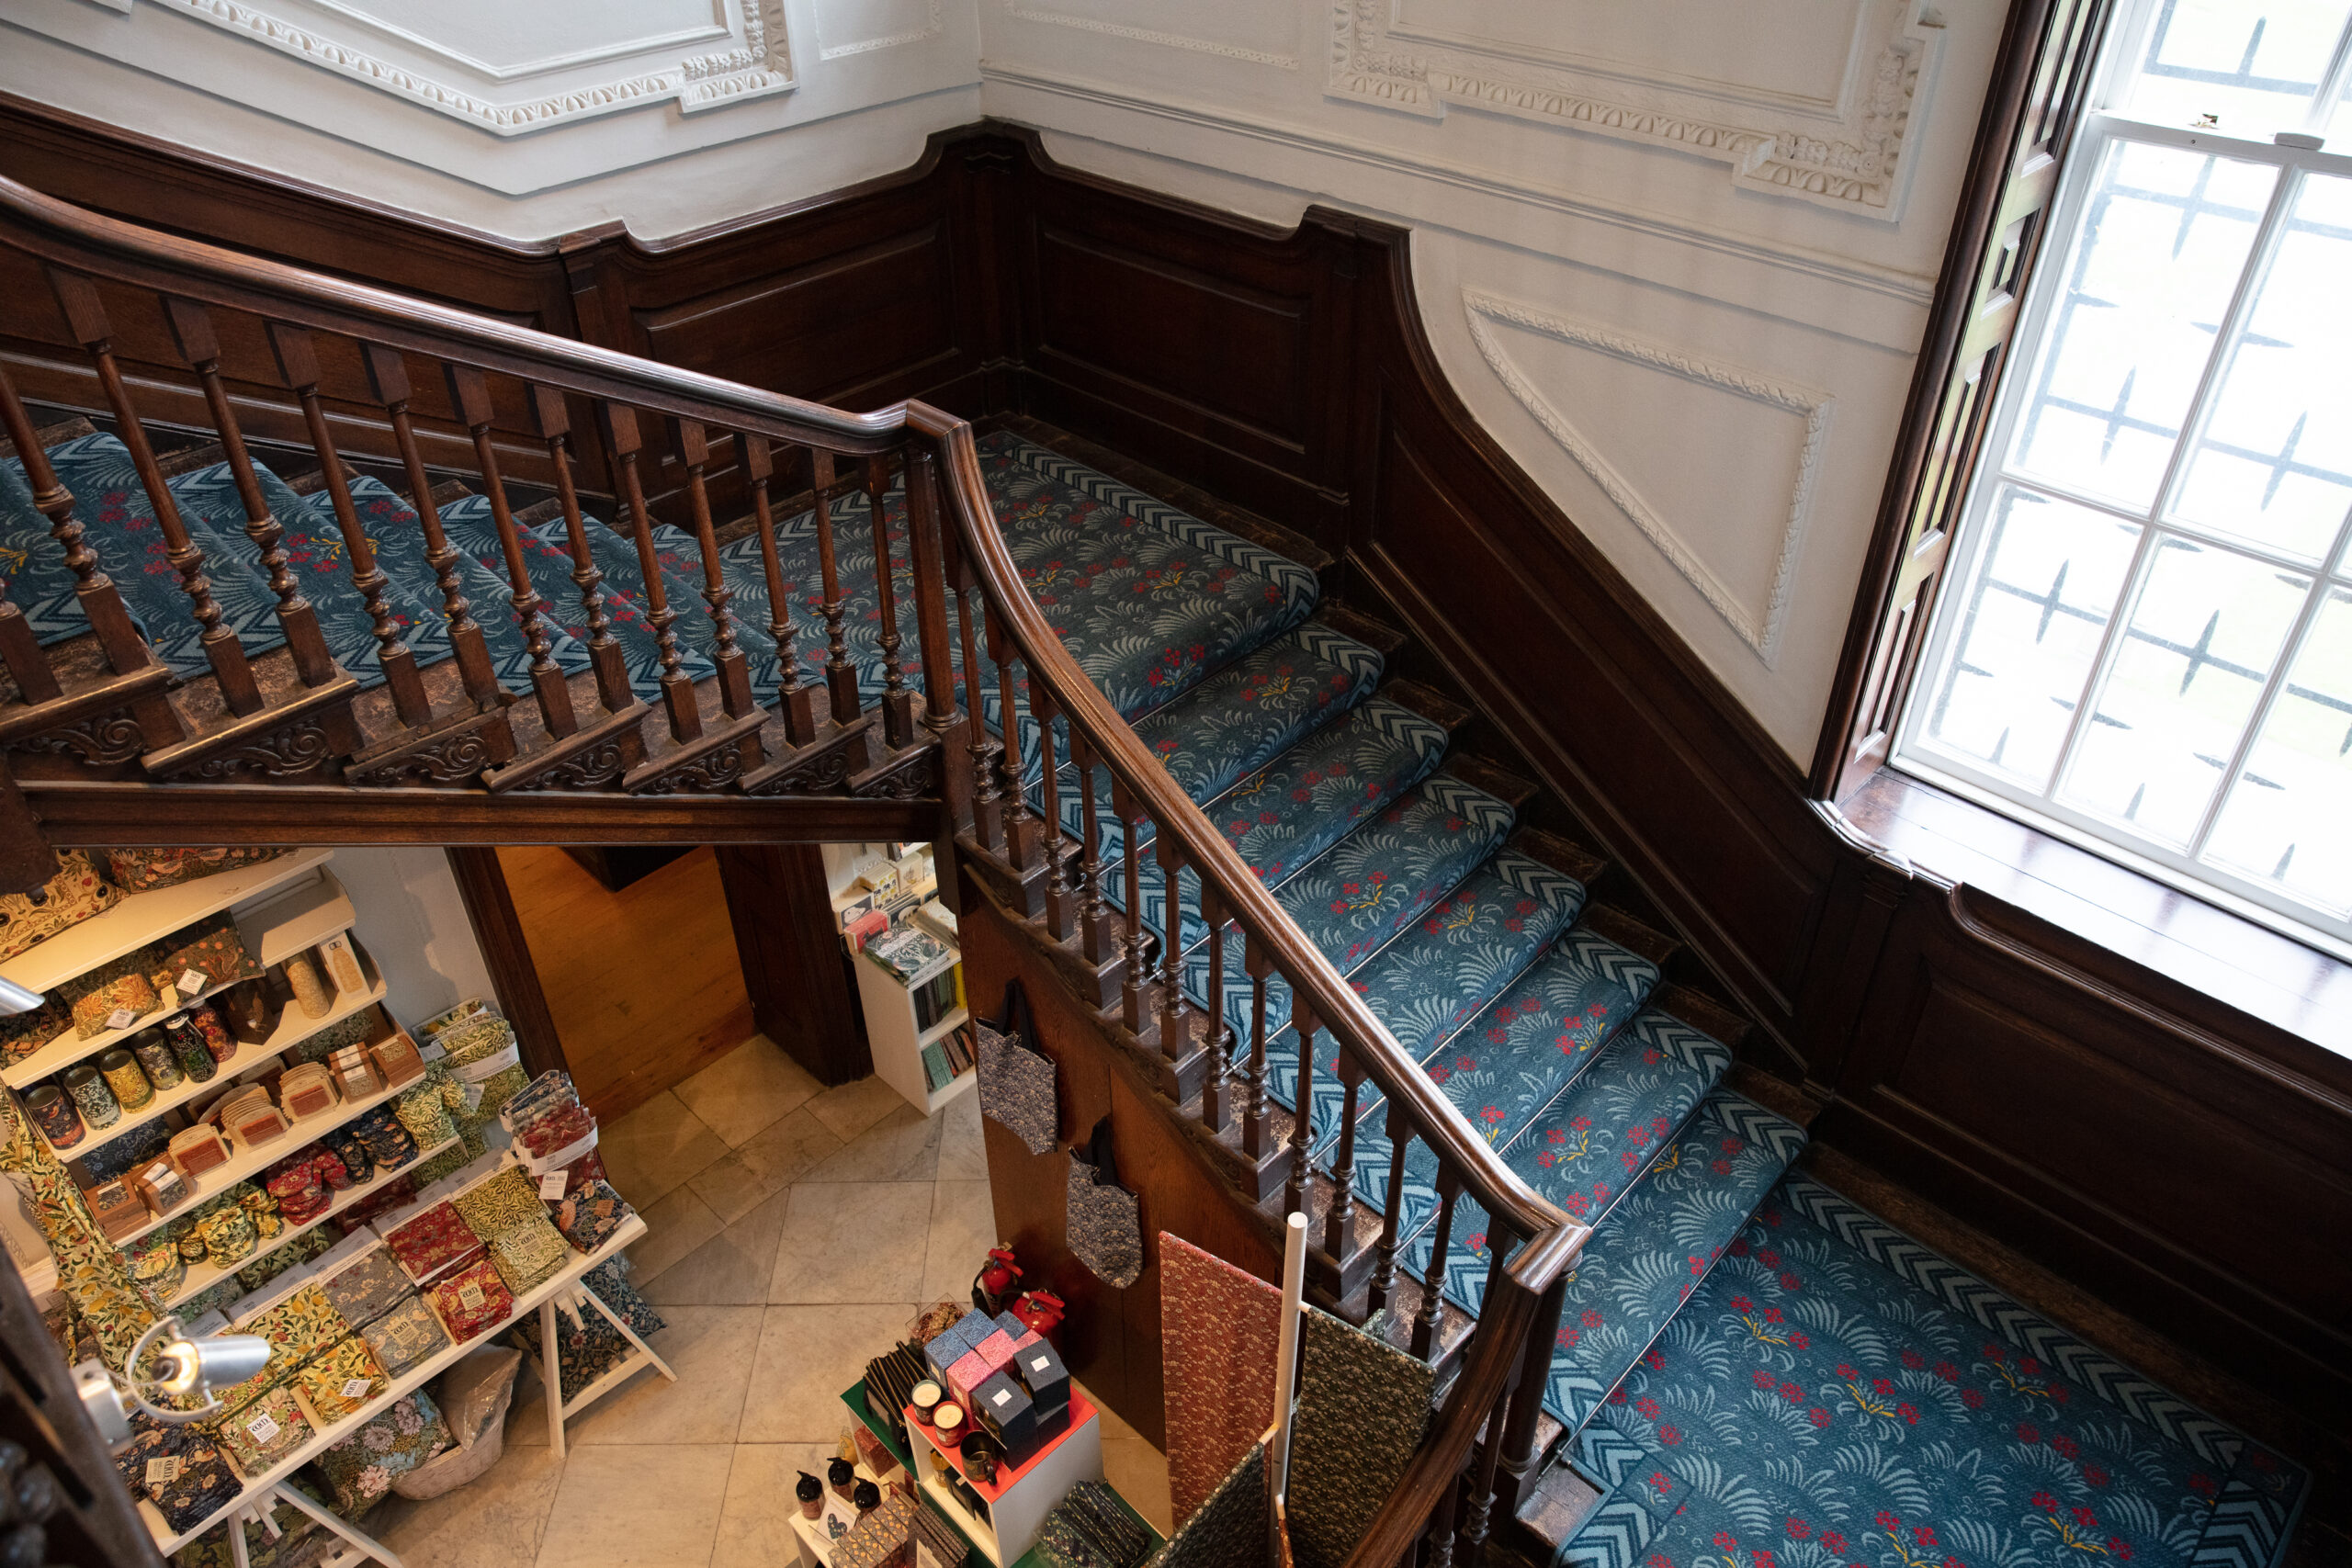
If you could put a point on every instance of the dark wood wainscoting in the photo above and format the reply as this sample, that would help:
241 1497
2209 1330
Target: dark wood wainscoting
2192 1162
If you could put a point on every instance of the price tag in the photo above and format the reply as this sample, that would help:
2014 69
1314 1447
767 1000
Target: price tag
192 981
432 1050
473 1097
357 1387
1041 1363
551 1185
162 1472
1003 1398
470 1296
121 1018
262 1429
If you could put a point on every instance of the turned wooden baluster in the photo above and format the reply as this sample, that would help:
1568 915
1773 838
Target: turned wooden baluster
898 702
1534 1380
1022 847
1217 1088
1479 1501
795 700
988 801
87 319
1441 1529
297 366
734 666
1448 1189
1339 1226
927 555
1256 1125
192 333
622 442
101 601
1384 1267
21 654
1300 1190
388 379
553 417
470 395
841 676
1175 1030
1094 936
1061 888
1134 1012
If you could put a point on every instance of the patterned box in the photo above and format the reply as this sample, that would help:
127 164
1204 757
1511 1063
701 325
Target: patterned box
471 1300
342 1378
405 1336
429 1243
266 1431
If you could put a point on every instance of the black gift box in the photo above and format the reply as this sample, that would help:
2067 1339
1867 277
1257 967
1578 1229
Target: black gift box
1004 1407
1040 1369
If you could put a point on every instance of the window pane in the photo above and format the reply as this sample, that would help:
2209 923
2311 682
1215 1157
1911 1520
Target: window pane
2289 820
2274 462
2192 663
2043 591
2252 64
2165 235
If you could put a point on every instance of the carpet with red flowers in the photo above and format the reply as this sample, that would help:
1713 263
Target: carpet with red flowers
1836 1393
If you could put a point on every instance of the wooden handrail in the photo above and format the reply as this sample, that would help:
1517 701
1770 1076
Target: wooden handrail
80 241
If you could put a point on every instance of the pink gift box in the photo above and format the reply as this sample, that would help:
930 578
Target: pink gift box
996 1351
1032 1337
967 1374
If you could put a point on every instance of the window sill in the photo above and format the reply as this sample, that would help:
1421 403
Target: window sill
2235 961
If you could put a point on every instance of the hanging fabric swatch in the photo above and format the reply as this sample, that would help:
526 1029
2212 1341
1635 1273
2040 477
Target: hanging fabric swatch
1017 1087
1363 1406
1229 1529
1104 1221
1220 1326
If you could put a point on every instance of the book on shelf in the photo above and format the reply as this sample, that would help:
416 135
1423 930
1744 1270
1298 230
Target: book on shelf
904 952
938 919
937 1072
937 997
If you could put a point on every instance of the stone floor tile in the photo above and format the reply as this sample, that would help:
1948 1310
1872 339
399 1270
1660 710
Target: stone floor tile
641 1506
806 1356
963 1228
772 1160
756 1526
675 1224
749 1089
732 1269
1138 1472
902 1146
854 1107
493 1521
711 1350
656 1149
963 1153
853 1241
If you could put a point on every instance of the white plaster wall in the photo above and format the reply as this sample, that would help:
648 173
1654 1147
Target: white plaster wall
413 920
1676 256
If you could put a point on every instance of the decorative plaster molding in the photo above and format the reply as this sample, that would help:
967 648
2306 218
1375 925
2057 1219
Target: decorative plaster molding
760 64
1146 35
1760 631
1853 159
932 28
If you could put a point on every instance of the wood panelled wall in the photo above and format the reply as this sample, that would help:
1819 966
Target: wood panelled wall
2192 1164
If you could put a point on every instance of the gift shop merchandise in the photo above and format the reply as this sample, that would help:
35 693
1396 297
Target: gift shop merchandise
229 1118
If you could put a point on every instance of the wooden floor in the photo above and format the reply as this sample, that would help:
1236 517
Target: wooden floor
644 984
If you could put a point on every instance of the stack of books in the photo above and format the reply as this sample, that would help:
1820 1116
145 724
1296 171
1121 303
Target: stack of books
947 1058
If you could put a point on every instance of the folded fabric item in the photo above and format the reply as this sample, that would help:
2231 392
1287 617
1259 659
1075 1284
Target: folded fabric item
428 1111
293 1255
505 1200
143 870
367 1287
65 901
211 948
275 1372
588 1218
26 1033
549 1089
266 1431
180 1469
295 1185
229 1237
429 1243
342 1378
299 1326
386 1141
440 1023
397 1193
156 1265
113 1003
471 1300
530 1254
363 1466
587 1352
405 1335
583 1173
291 1540
128 1152
357 1163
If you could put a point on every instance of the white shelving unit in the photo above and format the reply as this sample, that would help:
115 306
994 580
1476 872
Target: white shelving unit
143 917
1020 1497
896 1044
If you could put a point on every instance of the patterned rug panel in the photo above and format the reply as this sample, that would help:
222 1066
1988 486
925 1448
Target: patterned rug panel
1434 978
33 565
468 526
679 558
1834 1391
1370 886
1504 1071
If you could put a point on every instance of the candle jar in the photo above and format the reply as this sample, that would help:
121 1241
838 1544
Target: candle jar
865 1497
92 1098
54 1114
947 1425
925 1399
842 1476
309 986
156 1059
131 1089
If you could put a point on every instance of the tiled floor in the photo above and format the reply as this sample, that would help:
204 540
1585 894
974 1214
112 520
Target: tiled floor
793 1230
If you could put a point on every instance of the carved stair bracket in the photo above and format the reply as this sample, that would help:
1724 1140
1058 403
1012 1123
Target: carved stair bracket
706 766
456 753
1849 150
820 767
593 757
910 774
295 742
104 739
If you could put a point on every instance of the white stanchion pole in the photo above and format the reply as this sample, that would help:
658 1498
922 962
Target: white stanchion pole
1285 1379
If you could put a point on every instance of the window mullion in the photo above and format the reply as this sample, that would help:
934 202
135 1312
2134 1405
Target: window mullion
2331 84
2109 647
2289 647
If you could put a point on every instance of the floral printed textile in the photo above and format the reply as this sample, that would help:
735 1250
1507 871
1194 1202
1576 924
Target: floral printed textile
294 1253
299 1326
386 1141
93 1275
291 1547
264 1431
66 900
367 1287
212 948
342 1378
180 1470
363 1466
143 870
428 1111
1363 1406
588 1352
406 1334
1220 1326
429 1243
471 1300
530 1254
1017 1088
1229 1529
588 1218
504 1199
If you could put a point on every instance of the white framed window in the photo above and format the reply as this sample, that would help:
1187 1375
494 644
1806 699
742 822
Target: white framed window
2145 644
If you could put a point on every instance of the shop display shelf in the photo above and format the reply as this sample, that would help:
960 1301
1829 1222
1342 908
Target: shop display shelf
256 1487
314 913
143 917
1021 1496
202 1277
249 1158
291 1031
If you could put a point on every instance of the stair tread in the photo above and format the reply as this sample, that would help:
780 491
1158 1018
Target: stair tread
468 523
